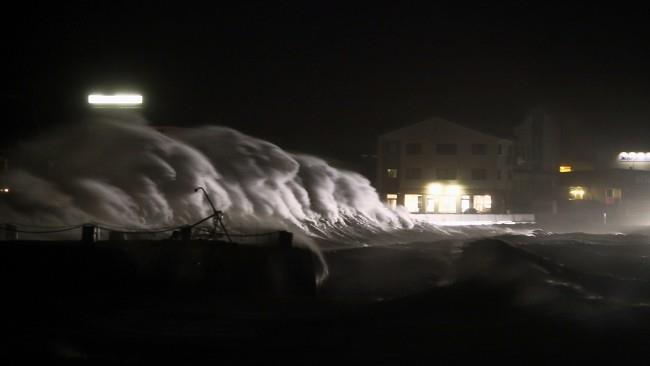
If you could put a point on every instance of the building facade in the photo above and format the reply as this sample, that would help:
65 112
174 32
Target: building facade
616 186
537 140
437 166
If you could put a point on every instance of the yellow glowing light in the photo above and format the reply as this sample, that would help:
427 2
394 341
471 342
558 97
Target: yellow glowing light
124 100
566 168
453 190
434 188
576 193
5 190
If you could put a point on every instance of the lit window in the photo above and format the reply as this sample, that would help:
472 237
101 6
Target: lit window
392 173
391 200
413 202
576 193
431 204
464 203
447 204
483 203
566 168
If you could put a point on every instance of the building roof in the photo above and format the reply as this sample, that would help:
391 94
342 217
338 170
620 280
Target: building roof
438 120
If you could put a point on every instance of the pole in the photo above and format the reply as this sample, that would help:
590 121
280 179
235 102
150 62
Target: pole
218 215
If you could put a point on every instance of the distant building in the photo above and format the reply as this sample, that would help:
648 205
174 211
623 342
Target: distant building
437 166
537 143
537 153
618 186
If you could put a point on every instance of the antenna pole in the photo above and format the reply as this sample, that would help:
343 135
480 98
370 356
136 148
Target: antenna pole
216 214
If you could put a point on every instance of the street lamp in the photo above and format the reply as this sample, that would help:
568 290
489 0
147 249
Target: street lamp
120 100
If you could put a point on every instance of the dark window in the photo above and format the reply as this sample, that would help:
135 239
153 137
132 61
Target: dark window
500 149
479 149
391 173
610 193
445 173
413 148
509 174
413 173
499 173
446 149
392 147
479 174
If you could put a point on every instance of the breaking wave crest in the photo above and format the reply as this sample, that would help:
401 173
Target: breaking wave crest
120 171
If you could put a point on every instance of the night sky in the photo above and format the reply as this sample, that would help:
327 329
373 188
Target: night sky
328 79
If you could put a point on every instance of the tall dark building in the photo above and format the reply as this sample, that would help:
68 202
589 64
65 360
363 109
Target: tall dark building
536 163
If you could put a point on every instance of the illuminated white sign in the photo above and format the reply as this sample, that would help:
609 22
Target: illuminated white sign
117 100
634 156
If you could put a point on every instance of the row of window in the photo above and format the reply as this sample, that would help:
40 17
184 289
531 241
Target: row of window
415 148
447 174
417 203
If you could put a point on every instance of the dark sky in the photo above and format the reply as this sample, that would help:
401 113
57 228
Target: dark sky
326 78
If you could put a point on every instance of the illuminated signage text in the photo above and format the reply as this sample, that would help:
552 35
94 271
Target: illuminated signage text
634 156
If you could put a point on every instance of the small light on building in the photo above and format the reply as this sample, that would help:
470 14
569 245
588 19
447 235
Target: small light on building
576 193
5 190
566 168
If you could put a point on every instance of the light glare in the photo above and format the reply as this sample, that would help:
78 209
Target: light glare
434 188
576 193
453 190
115 100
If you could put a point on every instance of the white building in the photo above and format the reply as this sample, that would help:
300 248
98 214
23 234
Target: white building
436 166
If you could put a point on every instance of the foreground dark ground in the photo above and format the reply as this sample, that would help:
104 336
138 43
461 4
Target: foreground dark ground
421 303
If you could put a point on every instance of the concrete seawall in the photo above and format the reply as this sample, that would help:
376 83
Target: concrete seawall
475 219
